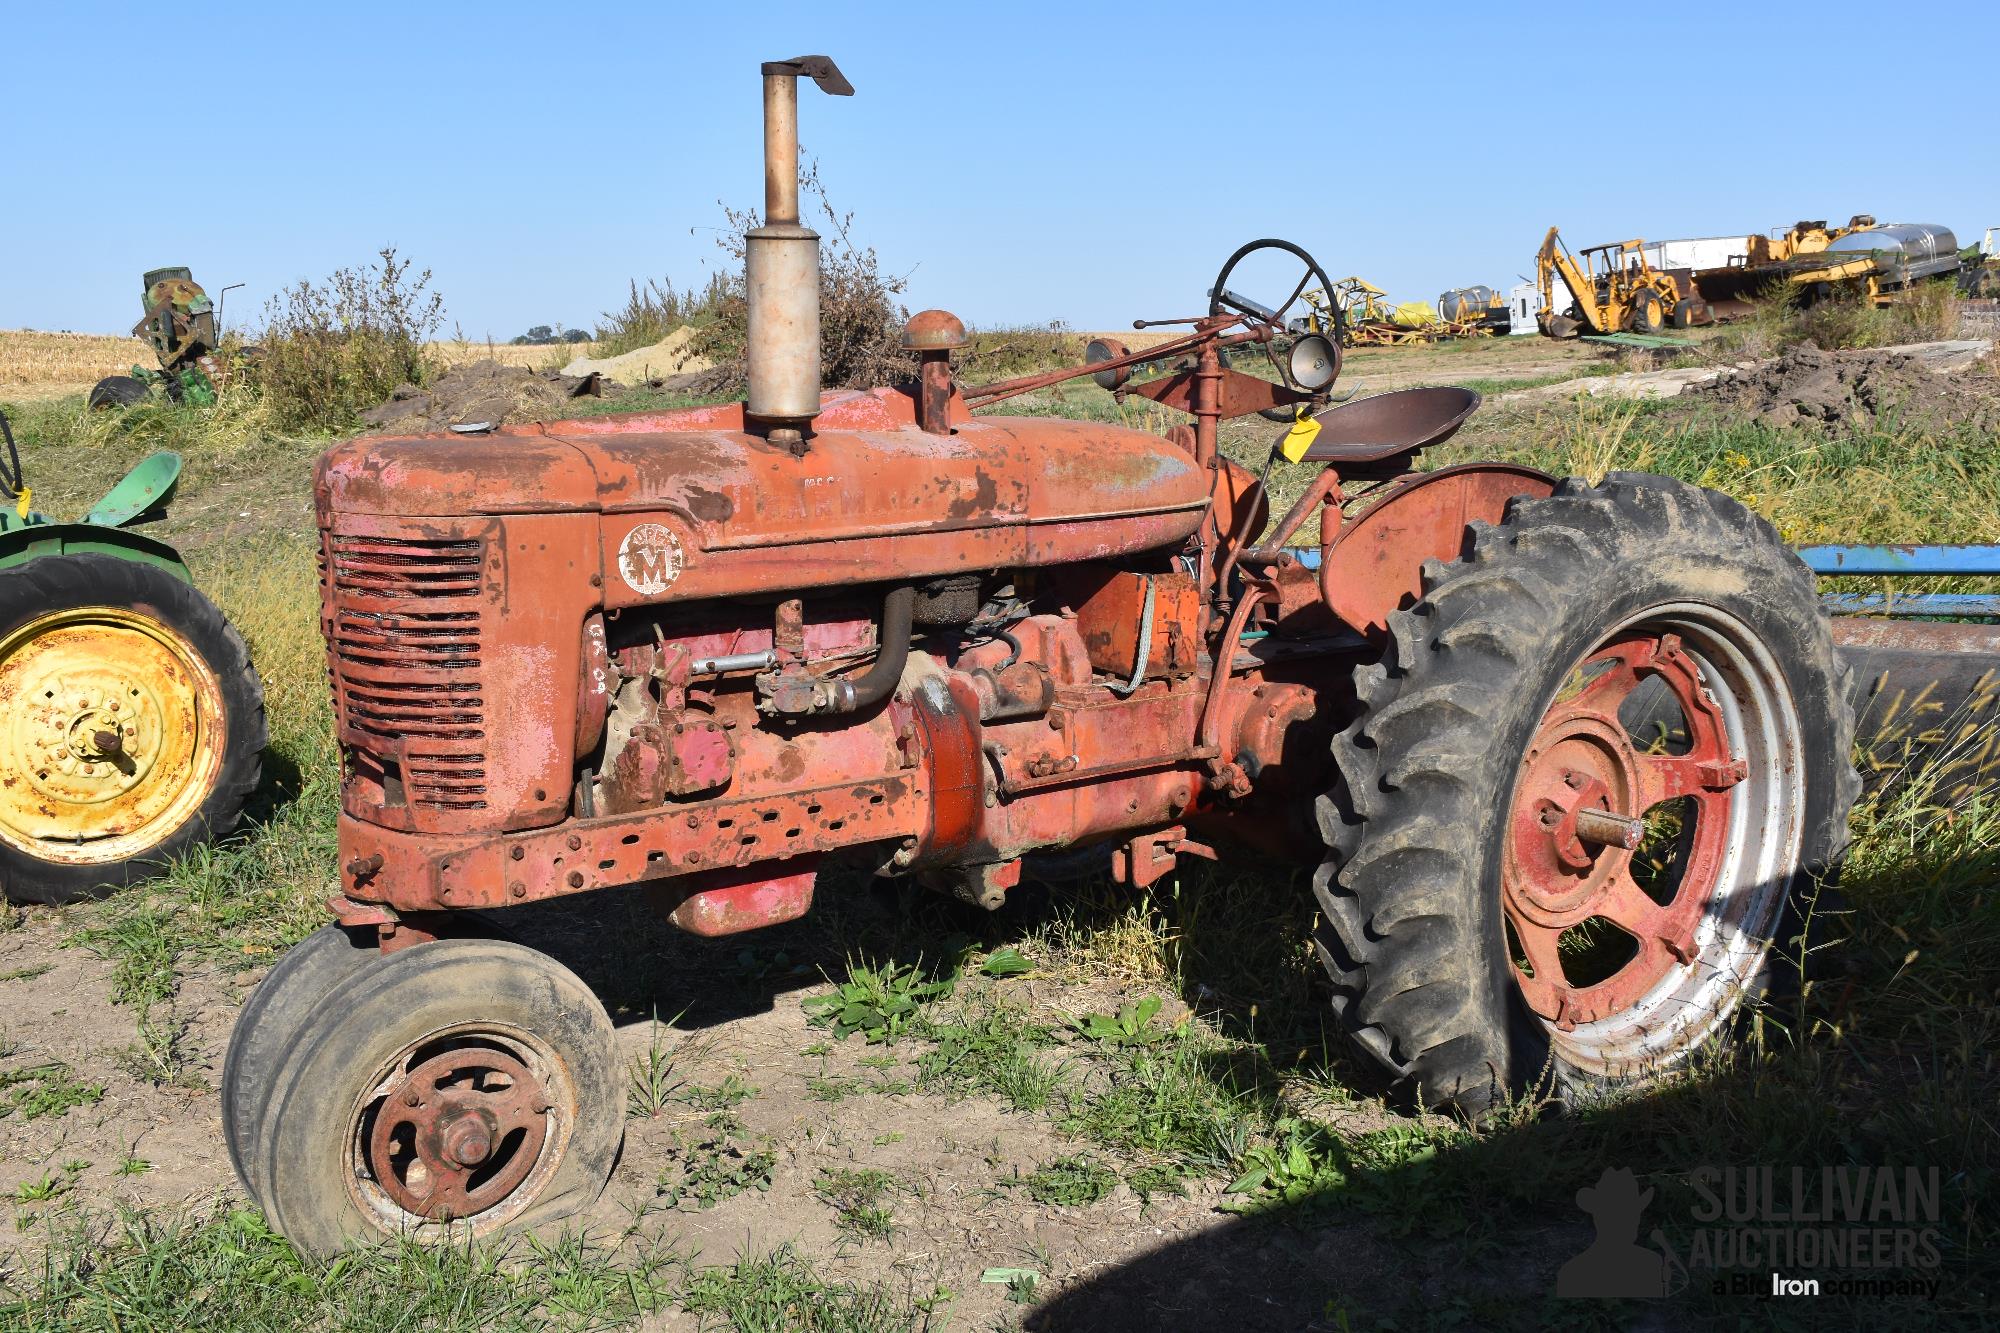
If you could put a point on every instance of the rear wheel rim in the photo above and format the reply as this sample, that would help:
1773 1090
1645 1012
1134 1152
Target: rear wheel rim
1630 956
114 724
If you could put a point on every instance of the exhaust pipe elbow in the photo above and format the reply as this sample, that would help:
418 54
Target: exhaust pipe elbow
781 263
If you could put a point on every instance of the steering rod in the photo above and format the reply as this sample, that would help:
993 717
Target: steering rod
1208 328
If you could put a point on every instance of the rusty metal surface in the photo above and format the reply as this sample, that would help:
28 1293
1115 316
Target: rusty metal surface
1389 425
1110 621
1375 563
895 503
933 331
455 1135
1577 817
427 872
111 734
1926 698
677 649
432 640
1237 394
735 901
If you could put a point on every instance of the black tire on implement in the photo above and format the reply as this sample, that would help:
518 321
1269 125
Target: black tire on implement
90 580
116 391
1414 932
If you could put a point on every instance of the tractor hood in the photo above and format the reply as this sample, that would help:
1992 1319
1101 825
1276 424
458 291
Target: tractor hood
871 496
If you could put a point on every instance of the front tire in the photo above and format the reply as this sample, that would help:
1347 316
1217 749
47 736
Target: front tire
453 1089
1639 662
131 723
1646 317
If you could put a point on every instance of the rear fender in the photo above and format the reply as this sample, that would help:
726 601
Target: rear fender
18 546
1374 564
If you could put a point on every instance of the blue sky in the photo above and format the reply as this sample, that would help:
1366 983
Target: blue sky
1077 162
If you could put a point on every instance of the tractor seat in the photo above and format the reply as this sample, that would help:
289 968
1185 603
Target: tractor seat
1381 434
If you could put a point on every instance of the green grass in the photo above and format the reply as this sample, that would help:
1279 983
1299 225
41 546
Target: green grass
1489 388
856 1196
715 1166
994 1051
1071 1182
782 1292
226 1272
33 1092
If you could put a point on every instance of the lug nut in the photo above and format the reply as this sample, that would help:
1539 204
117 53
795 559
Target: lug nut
1606 829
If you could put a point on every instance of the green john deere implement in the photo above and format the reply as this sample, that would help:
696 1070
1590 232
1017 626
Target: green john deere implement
131 718
184 329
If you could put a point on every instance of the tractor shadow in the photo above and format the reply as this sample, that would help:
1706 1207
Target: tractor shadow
1470 1232
1231 938
1519 1227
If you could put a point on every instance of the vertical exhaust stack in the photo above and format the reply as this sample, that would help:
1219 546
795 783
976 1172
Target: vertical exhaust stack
781 265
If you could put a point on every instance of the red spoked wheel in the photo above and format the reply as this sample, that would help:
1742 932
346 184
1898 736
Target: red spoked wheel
453 1134
1598 769
1619 864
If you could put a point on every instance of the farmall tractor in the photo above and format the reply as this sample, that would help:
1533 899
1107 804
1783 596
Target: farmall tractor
716 650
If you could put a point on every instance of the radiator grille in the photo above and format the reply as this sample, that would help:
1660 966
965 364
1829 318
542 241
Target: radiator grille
403 629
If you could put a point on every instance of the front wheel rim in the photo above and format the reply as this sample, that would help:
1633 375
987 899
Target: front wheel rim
112 725
459 1132
1686 846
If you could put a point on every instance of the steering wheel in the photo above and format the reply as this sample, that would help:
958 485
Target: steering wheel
1221 300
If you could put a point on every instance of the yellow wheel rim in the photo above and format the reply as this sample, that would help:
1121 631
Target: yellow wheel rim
111 735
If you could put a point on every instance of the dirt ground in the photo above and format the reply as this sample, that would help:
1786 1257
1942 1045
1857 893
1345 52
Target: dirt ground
762 1096
1809 387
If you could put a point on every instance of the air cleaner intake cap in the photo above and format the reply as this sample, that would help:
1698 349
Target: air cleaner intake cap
933 331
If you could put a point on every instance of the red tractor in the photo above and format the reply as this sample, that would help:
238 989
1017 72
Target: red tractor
716 649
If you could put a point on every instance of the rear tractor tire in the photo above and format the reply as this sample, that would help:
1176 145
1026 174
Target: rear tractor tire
1600 767
459 1088
131 724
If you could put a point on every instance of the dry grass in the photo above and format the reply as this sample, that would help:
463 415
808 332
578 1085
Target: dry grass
549 356
45 363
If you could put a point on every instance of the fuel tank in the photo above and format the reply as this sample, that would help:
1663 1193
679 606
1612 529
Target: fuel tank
690 505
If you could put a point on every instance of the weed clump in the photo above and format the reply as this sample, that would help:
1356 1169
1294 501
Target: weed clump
654 310
1786 316
860 319
332 349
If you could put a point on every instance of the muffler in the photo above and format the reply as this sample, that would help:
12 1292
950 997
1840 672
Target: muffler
781 265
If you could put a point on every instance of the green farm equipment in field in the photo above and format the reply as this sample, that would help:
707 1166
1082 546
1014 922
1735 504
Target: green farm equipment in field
131 718
184 328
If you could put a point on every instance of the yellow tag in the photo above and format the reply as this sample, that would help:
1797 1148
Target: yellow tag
21 504
1300 437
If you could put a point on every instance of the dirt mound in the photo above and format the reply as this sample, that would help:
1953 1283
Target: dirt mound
1808 387
669 356
482 391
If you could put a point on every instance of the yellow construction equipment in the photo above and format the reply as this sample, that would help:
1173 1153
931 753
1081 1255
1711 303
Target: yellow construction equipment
1614 289
1477 311
1368 318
